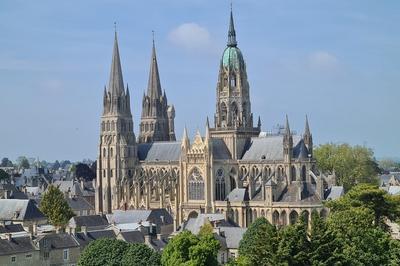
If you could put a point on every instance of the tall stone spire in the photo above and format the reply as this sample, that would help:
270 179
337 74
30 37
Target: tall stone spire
231 33
287 128
154 85
157 121
307 137
116 85
307 128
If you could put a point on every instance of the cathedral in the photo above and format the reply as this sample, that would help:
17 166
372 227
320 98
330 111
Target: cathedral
234 169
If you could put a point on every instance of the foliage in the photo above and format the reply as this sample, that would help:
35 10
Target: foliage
293 245
23 162
4 175
259 243
103 252
352 165
5 162
140 254
378 201
206 229
55 207
188 249
387 165
84 171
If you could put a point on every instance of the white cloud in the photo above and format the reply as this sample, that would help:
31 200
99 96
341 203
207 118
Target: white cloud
322 60
190 36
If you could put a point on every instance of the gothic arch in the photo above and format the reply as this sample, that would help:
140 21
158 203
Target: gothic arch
235 112
224 112
220 185
283 218
196 185
293 216
293 172
193 214
275 218
303 173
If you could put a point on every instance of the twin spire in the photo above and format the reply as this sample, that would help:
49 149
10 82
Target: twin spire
116 85
154 85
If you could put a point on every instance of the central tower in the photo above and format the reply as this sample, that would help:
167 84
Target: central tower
233 120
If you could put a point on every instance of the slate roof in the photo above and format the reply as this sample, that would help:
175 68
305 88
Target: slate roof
84 239
163 151
308 194
136 216
238 194
59 240
11 228
194 224
233 235
133 236
219 149
88 221
269 148
334 192
394 190
19 210
16 245
79 203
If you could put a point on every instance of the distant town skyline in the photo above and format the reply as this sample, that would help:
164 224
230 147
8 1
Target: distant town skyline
336 62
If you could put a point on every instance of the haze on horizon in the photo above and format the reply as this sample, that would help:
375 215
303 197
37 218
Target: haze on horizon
336 61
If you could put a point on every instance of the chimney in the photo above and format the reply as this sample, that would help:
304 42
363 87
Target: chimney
147 240
84 230
8 236
82 184
159 237
162 219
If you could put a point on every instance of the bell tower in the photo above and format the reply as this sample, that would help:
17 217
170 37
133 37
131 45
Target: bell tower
233 119
117 152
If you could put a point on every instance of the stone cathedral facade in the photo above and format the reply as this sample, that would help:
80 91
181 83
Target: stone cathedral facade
233 169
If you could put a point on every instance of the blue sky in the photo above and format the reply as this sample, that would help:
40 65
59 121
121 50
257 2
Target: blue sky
337 61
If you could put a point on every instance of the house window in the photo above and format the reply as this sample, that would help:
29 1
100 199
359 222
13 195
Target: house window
29 256
66 254
46 255
232 255
13 259
196 185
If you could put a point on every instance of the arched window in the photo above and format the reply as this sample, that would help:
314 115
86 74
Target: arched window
196 185
224 112
220 185
104 152
103 127
303 173
108 126
293 173
275 218
112 125
235 112
293 216
111 152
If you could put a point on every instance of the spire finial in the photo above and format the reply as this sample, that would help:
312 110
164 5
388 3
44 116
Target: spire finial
152 33
307 128
115 27
231 33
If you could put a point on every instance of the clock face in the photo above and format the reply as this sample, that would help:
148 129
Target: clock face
220 172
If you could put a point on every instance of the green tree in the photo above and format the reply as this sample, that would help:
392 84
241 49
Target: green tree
259 243
294 247
23 162
381 204
140 255
352 165
4 175
103 252
325 248
55 207
188 249
5 162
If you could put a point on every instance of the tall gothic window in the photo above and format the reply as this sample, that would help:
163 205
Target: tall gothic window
196 185
220 185
234 113
224 112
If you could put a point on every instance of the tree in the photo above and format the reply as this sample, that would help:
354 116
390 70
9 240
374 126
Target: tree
4 175
352 165
140 254
294 247
84 171
56 165
103 252
55 207
259 243
325 248
23 162
188 249
5 162
381 204
388 165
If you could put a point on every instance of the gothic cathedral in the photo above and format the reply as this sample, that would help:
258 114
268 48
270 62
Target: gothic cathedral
234 169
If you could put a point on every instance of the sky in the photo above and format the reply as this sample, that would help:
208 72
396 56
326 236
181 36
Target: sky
335 61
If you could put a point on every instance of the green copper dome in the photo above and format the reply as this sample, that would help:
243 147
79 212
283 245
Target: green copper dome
232 58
